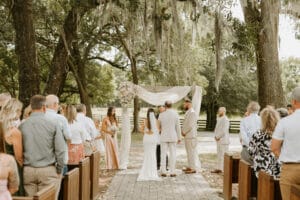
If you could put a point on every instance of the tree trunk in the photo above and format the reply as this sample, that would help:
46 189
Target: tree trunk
264 23
136 106
218 46
270 91
59 64
211 115
80 76
29 81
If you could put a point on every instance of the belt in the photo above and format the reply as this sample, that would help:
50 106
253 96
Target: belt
53 164
291 163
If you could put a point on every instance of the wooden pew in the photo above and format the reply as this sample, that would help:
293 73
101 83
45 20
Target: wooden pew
48 193
231 169
94 174
84 177
268 188
70 185
247 181
295 192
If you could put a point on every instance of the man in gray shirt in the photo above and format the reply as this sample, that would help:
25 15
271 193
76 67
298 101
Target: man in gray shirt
43 148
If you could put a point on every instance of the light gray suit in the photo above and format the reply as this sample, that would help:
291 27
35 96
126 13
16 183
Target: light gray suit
170 134
189 128
222 133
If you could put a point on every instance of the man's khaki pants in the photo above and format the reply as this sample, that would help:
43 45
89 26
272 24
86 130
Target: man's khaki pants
35 179
221 150
191 152
290 175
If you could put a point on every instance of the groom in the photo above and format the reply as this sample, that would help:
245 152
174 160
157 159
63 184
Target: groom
170 134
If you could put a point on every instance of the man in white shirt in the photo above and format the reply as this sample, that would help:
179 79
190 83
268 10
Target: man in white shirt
189 132
249 125
222 138
52 105
285 145
170 134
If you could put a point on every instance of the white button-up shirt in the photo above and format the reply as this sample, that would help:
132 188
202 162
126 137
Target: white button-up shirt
79 134
249 125
89 126
288 130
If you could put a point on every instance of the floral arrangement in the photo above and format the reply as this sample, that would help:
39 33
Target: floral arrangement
127 91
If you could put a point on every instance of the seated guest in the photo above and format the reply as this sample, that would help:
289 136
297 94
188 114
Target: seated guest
285 145
44 149
52 104
10 112
259 145
78 136
9 178
109 128
249 125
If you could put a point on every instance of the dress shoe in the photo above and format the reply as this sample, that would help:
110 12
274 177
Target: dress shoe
217 171
186 169
164 175
190 171
173 175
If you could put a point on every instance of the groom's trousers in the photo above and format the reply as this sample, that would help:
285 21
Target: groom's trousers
165 146
191 151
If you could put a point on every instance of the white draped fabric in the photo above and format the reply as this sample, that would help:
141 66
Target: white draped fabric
129 90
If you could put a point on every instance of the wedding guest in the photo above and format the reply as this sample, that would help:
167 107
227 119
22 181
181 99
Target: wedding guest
222 138
4 97
89 126
44 149
290 109
11 112
99 139
283 112
169 125
189 132
259 145
109 128
285 145
52 104
9 178
249 125
78 136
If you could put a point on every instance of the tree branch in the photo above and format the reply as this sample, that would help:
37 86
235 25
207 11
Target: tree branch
113 64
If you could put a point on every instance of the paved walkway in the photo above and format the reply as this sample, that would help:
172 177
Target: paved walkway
184 187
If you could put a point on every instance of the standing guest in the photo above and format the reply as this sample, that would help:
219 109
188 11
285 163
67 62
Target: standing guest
170 134
259 146
52 104
78 136
9 179
109 128
249 125
285 145
189 132
44 149
90 127
99 139
10 112
4 97
222 138
161 109
290 109
283 112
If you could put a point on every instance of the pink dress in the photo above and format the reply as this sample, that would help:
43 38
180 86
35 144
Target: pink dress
4 193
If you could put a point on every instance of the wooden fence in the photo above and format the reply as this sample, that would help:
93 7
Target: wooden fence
234 124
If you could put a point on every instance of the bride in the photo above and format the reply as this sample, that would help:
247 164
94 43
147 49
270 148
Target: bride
150 130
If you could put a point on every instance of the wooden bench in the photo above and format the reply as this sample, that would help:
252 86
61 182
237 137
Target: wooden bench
231 175
48 193
268 188
84 177
247 181
94 174
295 192
70 185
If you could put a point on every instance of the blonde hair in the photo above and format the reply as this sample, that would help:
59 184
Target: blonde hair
70 113
269 119
10 113
253 107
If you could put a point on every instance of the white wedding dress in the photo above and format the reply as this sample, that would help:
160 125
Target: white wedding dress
149 168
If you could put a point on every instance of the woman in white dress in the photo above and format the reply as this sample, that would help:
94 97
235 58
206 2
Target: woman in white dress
150 130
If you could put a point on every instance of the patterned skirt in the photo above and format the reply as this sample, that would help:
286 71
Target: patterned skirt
76 153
